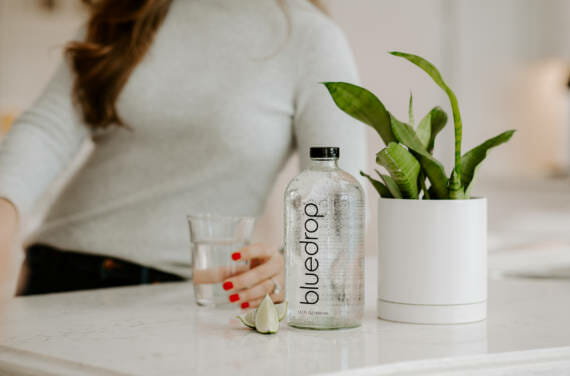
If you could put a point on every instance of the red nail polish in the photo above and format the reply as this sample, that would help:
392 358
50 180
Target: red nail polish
236 256
228 285
234 298
244 305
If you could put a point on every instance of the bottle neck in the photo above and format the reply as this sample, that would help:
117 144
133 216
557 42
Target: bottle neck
324 164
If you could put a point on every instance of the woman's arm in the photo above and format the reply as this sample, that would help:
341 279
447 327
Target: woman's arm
317 121
41 144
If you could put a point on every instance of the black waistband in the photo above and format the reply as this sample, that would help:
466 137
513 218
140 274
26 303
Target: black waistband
49 269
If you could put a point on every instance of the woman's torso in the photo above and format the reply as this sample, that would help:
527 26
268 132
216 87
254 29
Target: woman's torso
210 108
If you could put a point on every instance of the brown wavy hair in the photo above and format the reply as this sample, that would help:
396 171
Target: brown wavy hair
118 35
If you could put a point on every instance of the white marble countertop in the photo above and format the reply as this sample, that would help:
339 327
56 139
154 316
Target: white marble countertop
158 329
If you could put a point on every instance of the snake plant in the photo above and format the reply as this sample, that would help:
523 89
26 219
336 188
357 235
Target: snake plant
408 155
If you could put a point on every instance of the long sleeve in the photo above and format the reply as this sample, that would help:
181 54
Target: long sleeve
317 120
41 143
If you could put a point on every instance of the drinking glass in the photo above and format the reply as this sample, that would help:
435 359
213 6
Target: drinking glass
213 239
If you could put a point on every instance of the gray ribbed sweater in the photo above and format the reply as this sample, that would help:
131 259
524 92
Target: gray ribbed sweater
218 105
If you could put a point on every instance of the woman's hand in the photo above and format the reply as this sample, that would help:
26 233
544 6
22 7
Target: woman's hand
267 269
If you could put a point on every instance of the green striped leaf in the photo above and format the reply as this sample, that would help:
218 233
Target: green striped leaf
432 168
362 105
456 190
382 190
411 119
430 126
473 158
432 71
391 185
402 167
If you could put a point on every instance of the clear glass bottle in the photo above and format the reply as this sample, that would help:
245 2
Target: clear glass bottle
324 245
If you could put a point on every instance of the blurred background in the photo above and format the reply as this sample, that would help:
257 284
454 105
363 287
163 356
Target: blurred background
507 60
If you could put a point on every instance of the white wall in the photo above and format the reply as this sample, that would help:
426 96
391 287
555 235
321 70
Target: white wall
30 47
375 27
510 58
493 53
506 59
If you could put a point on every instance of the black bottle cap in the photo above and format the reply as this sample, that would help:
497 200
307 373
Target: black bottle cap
324 152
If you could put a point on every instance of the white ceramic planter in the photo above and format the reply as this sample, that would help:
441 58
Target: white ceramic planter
432 260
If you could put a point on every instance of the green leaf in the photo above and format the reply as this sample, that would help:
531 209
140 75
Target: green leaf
406 135
433 169
391 184
362 105
435 173
432 71
411 119
430 126
473 158
382 190
423 130
402 167
456 191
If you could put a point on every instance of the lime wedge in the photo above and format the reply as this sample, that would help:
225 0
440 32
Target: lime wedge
248 320
281 310
266 317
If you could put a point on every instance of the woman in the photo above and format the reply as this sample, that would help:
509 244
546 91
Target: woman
193 106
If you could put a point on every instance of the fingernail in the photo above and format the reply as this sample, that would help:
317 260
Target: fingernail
228 285
236 256
234 298
244 305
